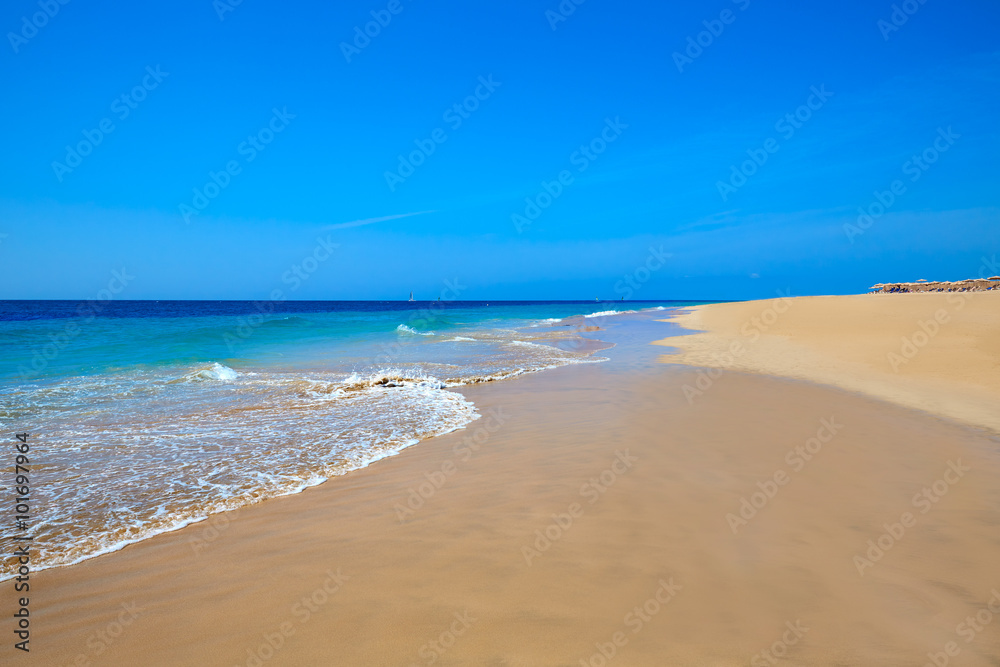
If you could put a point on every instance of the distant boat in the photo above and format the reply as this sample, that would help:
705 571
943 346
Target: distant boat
411 296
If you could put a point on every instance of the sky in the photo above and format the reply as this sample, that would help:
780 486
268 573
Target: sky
364 149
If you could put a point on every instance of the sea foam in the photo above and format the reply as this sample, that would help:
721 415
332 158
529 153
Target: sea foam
606 313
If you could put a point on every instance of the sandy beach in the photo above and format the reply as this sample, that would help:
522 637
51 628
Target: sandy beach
602 514
416 334
937 352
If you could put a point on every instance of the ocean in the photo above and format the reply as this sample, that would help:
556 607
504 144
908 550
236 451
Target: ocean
146 416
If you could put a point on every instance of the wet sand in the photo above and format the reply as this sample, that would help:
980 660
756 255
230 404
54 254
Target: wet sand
640 550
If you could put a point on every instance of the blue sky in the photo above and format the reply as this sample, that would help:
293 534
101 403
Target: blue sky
309 135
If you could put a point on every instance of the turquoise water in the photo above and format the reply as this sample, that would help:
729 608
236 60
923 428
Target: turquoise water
57 341
147 416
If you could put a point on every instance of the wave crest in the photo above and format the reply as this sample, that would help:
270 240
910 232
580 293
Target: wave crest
214 372
606 313
403 329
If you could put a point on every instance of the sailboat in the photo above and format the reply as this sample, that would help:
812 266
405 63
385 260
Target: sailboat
411 296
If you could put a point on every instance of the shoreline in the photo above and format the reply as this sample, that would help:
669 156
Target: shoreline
88 534
583 493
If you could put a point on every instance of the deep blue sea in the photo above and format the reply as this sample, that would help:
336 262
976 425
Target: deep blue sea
146 416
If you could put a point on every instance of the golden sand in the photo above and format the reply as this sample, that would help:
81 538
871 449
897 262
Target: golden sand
938 352
591 510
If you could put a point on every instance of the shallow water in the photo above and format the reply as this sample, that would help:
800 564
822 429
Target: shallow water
147 416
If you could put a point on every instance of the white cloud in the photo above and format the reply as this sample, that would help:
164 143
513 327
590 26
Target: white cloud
372 221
